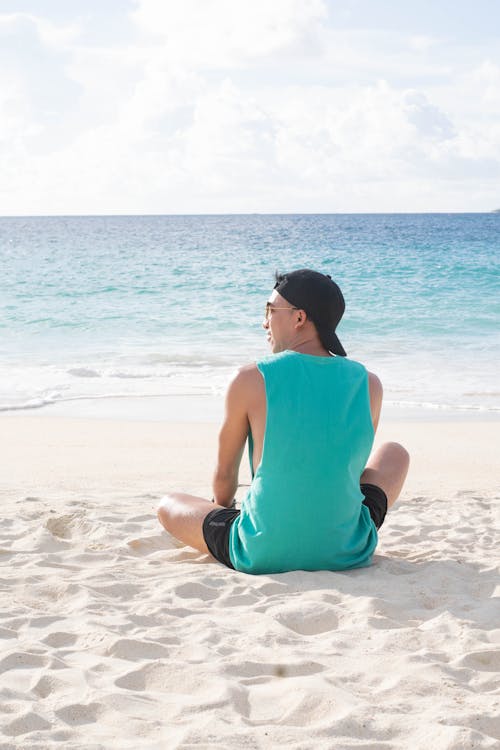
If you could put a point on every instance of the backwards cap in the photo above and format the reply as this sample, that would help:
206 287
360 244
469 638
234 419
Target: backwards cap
320 297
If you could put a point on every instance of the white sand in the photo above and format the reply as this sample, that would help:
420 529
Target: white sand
112 635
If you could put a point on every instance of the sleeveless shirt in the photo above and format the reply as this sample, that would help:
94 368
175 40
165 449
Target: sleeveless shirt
303 510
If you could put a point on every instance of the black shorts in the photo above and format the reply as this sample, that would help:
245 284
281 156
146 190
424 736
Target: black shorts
217 524
216 530
376 502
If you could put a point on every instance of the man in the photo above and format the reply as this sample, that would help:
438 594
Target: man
317 497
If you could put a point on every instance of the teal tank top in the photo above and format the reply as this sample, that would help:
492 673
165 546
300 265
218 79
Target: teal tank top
303 510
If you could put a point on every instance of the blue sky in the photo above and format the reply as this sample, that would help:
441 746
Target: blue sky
222 106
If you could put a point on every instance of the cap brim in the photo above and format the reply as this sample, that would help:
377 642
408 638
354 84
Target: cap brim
339 349
331 342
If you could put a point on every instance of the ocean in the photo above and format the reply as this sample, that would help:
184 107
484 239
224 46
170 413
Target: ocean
135 307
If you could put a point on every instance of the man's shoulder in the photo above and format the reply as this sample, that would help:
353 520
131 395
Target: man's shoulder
374 381
245 386
248 369
247 376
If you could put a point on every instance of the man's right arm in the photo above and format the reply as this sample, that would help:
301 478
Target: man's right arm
232 437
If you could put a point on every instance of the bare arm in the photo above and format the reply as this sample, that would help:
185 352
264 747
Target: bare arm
376 394
232 437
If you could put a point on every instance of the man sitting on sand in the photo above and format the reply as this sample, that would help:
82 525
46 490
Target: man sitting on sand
317 497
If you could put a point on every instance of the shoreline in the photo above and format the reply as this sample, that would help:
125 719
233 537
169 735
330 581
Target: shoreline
210 409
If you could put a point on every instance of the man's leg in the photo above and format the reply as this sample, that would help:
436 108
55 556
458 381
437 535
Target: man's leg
387 468
182 516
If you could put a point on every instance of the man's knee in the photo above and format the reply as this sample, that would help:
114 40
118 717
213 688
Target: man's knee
389 470
165 509
396 453
402 454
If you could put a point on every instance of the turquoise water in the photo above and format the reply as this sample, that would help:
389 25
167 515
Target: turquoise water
93 307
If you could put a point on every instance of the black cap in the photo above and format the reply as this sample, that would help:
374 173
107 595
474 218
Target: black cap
320 297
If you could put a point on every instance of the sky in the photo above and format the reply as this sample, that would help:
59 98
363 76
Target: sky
232 106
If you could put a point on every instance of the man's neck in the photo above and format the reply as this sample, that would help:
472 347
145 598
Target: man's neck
308 346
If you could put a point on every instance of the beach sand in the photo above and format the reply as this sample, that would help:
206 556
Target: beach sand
113 635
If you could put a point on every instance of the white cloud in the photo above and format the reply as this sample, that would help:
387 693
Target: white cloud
422 42
429 120
230 135
50 34
222 33
484 82
224 106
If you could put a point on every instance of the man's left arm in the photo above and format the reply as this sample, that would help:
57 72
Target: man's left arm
232 437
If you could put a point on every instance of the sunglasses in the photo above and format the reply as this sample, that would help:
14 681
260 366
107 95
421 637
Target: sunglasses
270 308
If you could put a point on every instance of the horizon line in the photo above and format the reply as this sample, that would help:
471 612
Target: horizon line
248 213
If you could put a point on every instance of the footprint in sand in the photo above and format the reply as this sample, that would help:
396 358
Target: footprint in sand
125 591
80 713
7 633
63 527
22 660
289 706
46 685
43 621
147 545
135 650
60 640
307 619
30 722
169 677
143 517
196 591
252 672
484 661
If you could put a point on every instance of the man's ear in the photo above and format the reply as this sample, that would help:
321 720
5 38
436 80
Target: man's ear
301 317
